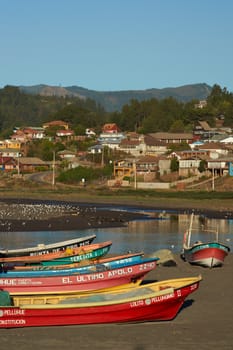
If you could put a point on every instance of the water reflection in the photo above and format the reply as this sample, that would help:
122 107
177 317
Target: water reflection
142 235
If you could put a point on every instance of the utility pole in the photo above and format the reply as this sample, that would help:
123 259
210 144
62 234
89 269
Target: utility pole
53 166
18 170
135 176
102 157
212 179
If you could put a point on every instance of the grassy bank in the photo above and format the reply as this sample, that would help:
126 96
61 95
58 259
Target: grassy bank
164 199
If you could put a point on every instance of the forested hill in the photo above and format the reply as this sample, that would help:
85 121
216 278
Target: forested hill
18 108
115 100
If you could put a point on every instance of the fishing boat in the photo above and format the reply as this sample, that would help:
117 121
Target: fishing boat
128 257
207 254
56 298
90 251
79 282
150 302
47 248
88 267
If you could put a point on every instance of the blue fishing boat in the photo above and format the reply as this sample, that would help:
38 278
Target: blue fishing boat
105 265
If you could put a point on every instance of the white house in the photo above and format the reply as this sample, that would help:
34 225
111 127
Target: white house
227 140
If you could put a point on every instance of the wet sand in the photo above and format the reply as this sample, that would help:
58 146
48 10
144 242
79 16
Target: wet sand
31 215
205 321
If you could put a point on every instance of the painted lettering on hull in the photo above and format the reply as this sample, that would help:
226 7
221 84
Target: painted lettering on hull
152 300
13 322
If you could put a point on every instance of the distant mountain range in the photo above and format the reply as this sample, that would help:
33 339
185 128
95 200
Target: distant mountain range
114 100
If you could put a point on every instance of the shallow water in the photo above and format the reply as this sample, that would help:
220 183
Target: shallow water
162 230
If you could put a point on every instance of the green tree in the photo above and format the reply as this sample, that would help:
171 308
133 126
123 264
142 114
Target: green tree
177 126
174 165
75 176
44 149
176 147
203 165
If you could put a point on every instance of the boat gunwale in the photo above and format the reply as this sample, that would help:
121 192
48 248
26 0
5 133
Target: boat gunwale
170 289
42 247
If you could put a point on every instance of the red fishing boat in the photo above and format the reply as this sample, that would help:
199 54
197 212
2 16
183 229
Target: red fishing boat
78 282
158 301
211 253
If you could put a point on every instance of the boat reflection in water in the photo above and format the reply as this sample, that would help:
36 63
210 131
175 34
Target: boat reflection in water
148 235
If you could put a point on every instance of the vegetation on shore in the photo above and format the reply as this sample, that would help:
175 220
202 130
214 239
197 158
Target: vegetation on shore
211 200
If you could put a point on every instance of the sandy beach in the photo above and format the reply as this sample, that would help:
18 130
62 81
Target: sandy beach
205 321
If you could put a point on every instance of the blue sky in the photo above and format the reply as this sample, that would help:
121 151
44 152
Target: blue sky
116 44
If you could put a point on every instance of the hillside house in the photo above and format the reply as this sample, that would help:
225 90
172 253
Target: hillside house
133 147
66 154
10 152
19 136
111 140
171 138
164 165
189 161
64 133
220 166
201 104
8 164
123 167
147 166
111 136
153 146
31 164
189 167
13 144
90 132
96 149
202 130
111 128
214 149
24 135
143 145
227 140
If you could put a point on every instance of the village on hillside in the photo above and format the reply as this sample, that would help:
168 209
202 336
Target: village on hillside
145 161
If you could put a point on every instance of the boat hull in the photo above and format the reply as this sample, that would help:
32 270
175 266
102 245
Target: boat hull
207 255
91 251
78 282
47 248
155 307
101 265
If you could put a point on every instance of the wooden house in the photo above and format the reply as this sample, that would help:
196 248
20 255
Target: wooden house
171 138
32 164
8 164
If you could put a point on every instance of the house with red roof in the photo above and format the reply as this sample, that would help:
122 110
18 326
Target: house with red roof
111 128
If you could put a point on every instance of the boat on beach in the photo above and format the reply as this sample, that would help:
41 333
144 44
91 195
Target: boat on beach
99 260
88 267
207 254
56 298
70 255
79 282
47 248
157 301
